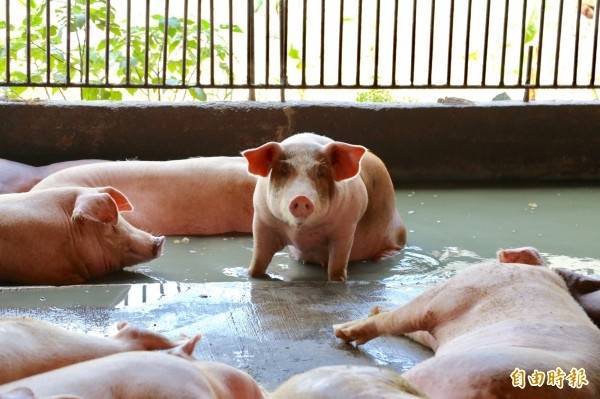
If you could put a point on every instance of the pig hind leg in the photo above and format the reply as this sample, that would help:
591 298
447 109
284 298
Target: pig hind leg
416 315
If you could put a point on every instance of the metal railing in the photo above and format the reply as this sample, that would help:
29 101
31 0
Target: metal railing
384 44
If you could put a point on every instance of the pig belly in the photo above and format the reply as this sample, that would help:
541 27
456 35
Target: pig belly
16 177
484 373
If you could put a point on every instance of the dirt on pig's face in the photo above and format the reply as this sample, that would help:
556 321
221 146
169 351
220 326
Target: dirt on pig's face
301 185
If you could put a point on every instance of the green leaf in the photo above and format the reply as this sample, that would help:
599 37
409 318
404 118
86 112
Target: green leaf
294 53
197 93
531 31
116 95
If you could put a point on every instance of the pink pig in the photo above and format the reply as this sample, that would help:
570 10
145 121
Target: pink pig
332 202
69 235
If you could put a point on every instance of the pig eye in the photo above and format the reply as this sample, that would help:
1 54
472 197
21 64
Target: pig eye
284 169
322 171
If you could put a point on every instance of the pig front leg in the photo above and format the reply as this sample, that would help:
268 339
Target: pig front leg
266 243
339 255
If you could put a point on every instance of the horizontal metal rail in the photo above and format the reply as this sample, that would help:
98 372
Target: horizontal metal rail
196 44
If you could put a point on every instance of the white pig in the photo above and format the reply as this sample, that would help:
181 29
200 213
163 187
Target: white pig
332 202
487 323
197 196
69 235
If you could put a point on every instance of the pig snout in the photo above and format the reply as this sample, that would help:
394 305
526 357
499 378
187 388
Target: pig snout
301 207
157 247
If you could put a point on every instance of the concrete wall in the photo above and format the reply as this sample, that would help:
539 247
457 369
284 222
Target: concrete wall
424 143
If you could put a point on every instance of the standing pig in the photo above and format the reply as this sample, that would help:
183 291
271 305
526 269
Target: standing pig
69 235
332 202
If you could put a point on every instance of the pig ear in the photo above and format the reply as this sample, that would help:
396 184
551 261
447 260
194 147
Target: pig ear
260 160
98 207
345 159
123 204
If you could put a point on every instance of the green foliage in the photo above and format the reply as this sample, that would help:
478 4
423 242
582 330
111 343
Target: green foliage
532 26
374 96
117 51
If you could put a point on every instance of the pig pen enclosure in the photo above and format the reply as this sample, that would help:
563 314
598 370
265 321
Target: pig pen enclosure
204 78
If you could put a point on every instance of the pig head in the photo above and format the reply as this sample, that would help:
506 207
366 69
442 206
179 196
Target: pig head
69 235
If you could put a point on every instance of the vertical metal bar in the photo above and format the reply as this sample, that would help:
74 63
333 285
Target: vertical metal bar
267 41
212 42
283 47
558 38
541 43
528 76
165 43
522 41
68 60
395 43
230 36
503 62
198 41
595 49
377 23
146 42
486 42
251 61
341 42
431 38
576 55
450 34
185 33
322 57
28 3
87 41
304 42
128 45
468 39
47 41
359 38
7 41
412 46
107 48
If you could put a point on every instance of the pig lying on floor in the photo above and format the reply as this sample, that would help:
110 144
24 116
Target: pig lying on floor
69 235
330 201
585 289
32 347
488 321
17 177
197 196
52 362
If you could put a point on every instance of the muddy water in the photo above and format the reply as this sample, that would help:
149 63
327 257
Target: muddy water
448 230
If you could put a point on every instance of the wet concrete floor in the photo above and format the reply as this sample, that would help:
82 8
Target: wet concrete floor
274 329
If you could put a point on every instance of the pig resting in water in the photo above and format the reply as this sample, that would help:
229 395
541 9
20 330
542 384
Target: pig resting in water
197 196
69 235
32 347
332 202
17 177
52 362
485 322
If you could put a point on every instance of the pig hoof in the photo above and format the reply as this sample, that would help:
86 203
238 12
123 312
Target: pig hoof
360 331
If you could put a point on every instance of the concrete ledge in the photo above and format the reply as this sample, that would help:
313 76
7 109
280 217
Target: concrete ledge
425 143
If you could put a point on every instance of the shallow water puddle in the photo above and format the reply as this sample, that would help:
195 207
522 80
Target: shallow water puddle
449 229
